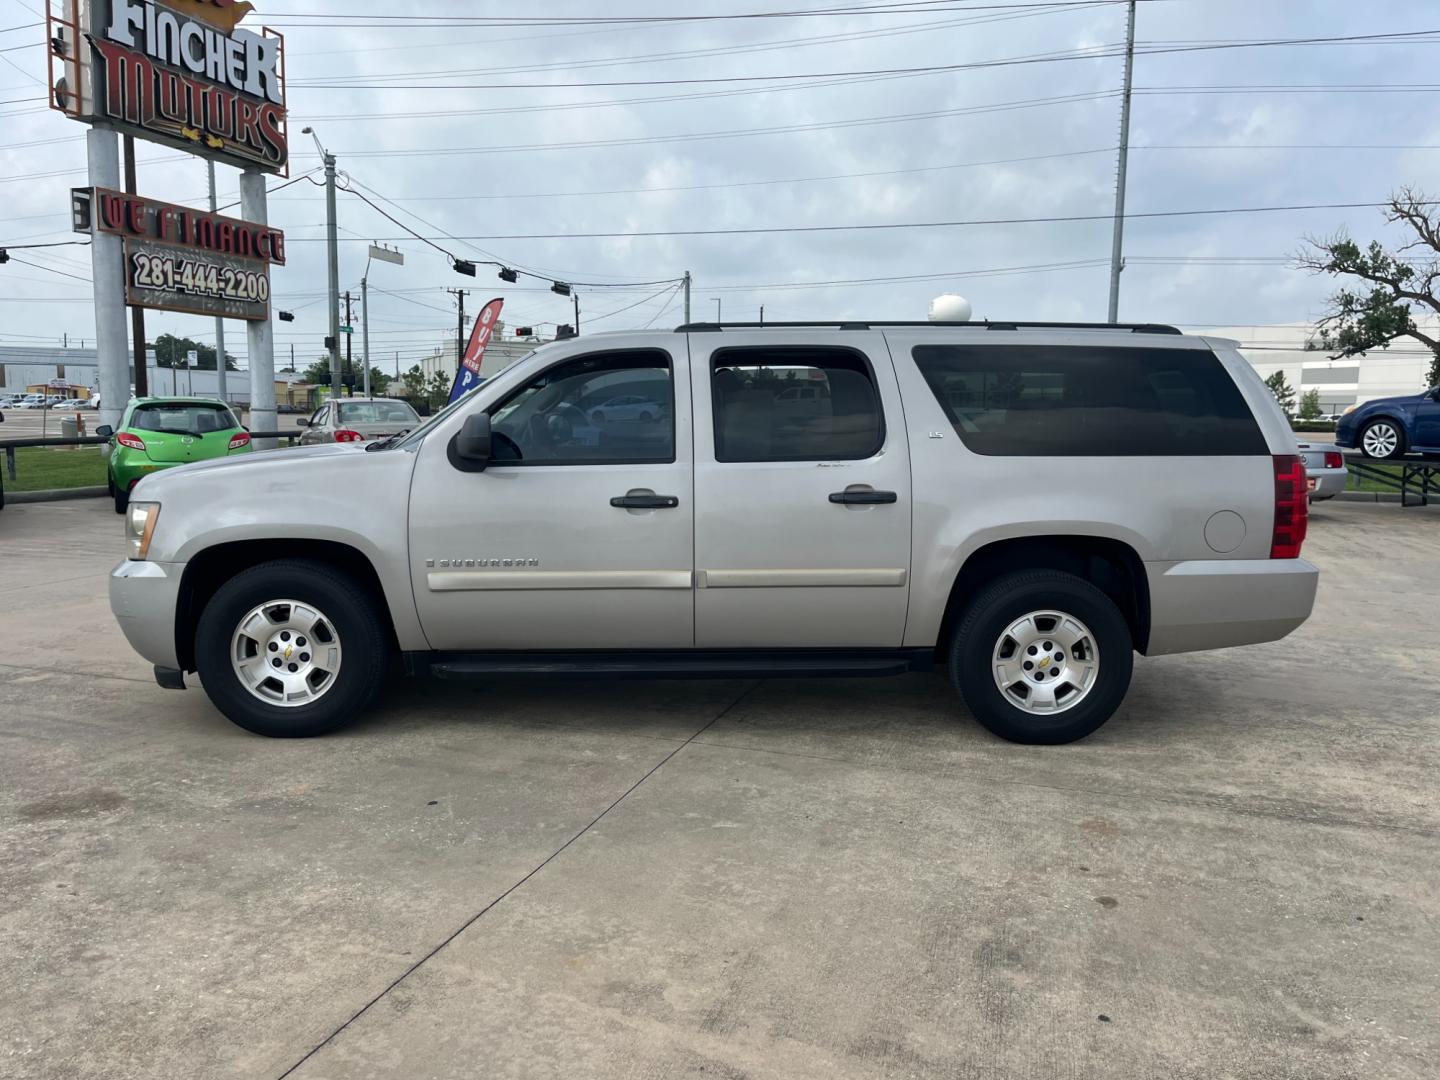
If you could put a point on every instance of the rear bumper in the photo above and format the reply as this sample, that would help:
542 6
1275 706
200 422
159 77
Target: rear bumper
143 597
1218 603
1328 482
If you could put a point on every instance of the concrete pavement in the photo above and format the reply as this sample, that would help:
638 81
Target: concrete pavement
1238 876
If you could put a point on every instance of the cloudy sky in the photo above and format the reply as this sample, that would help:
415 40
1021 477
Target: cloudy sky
589 151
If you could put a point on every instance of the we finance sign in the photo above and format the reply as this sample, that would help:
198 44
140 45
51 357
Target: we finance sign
182 73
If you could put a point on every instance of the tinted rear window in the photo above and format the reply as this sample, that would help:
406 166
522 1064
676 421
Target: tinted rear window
190 418
1089 401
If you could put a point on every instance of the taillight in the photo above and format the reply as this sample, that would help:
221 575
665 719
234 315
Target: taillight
346 435
242 439
132 441
1334 459
1292 507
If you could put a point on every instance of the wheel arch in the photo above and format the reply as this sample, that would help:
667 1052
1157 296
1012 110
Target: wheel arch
1111 565
207 570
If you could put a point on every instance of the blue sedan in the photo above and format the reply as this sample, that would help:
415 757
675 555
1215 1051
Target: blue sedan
1392 427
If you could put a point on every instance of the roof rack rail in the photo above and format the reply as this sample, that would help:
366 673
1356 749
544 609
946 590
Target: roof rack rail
867 324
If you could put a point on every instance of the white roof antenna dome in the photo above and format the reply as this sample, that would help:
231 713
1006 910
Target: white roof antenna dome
950 308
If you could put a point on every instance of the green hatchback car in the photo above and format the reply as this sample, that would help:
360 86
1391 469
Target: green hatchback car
160 433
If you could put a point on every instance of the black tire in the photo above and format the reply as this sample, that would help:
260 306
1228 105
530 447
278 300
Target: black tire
991 613
122 498
1400 443
360 623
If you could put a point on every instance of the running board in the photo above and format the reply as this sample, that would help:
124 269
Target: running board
693 664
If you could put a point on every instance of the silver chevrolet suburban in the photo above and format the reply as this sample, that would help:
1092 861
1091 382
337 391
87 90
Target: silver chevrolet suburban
1025 504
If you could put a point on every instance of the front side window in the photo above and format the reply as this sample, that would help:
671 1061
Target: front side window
603 408
794 404
1095 401
189 418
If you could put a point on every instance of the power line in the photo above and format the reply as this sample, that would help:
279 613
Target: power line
700 136
1090 53
445 22
1051 219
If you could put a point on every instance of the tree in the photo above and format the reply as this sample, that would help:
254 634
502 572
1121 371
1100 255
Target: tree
1310 405
1390 284
1282 391
318 373
414 381
173 352
438 390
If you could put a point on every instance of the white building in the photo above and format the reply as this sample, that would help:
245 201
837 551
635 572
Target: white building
1292 348
500 353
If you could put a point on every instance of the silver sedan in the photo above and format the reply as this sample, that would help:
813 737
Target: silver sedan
357 420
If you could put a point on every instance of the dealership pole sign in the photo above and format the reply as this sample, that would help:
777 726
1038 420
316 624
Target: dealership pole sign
180 73
179 259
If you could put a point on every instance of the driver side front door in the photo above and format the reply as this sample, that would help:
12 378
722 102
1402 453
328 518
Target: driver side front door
579 534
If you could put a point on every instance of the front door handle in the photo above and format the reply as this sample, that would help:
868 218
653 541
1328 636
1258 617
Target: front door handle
866 497
645 502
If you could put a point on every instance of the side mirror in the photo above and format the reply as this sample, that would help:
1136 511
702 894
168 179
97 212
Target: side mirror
302 423
104 431
469 451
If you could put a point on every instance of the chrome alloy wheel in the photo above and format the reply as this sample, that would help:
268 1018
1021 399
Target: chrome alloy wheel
286 653
1380 439
1046 662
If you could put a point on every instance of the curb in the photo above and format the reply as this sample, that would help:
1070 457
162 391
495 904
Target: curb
56 494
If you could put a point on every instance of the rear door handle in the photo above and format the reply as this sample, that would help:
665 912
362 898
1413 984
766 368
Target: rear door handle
645 502
863 497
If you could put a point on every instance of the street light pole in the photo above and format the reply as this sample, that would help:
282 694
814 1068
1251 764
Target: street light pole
333 244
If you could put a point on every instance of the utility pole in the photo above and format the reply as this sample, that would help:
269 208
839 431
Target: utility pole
459 327
687 296
718 319
1117 262
219 322
762 314
332 242
576 297
349 366
137 314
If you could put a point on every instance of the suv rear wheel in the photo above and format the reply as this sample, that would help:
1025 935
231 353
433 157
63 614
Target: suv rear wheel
1042 657
291 649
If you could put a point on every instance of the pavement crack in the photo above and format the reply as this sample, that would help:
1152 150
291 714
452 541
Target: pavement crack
530 874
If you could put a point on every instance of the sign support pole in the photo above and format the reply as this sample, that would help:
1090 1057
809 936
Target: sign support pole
259 334
102 147
219 322
137 314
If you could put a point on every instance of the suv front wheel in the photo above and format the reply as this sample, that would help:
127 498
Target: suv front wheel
292 648
1042 657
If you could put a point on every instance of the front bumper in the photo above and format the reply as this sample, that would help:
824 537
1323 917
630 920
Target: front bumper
1328 482
143 596
1218 603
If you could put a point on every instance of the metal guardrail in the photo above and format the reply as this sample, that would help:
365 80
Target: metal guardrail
1418 480
11 445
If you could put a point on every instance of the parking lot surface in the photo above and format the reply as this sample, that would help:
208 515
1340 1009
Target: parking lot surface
1238 876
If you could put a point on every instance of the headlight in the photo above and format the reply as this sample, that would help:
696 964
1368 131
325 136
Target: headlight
1349 410
140 526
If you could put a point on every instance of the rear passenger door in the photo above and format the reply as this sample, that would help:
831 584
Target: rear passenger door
802 491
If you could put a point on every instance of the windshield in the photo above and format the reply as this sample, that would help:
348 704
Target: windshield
420 432
187 418
377 412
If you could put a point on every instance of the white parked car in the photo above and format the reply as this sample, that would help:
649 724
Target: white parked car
1027 505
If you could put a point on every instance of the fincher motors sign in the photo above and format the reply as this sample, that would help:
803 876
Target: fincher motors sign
179 73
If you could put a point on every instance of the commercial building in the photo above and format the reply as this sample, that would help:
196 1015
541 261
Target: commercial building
67 370
1292 348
